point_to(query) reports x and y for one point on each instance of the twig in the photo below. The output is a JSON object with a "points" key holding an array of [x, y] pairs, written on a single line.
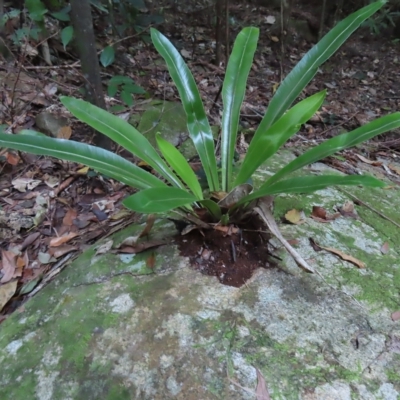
{"points": [[368, 206]]}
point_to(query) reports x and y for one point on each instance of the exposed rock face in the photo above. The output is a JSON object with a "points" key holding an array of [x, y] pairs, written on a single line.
{"points": [[110, 328]]}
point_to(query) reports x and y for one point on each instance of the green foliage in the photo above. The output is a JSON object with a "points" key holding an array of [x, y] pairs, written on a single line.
{"points": [[107, 56], [182, 189], [382, 20], [125, 86]]}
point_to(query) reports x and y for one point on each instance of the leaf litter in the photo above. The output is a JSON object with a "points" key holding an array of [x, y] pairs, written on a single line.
{"points": [[72, 211]]}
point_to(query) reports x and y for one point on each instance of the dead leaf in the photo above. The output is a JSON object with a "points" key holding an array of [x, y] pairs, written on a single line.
{"points": [[342, 255], [7, 292], [9, 265], [321, 215], [60, 251], [275, 39], [22, 184], [294, 217], [370, 162], [348, 210], [120, 214], [151, 261], [263, 209], [29, 240], [227, 229], [395, 316], [318, 212], [394, 168], [139, 247], [29, 286], [149, 224], [12, 158], [186, 54], [83, 171], [62, 239], [385, 248], [64, 132], [69, 217], [129, 241], [105, 247], [261, 390]]}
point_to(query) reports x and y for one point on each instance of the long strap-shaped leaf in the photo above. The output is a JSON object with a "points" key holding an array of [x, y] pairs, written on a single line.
{"points": [[233, 92], [99, 159], [159, 200], [306, 184], [305, 70], [197, 122], [274, 137], [176, 160], [338, 143], [122, 133]]}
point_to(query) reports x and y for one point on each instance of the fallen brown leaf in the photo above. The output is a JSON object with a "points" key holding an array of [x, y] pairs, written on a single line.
{"points": [[69, 217], [294, 217], [151, 261], [342, 255], [261, 390], [394, 168], [348, 210], [62, 239], [385, 248], [149, 224], [395, 316], [367, 161], [6, 292], [9, 265], [60, 251], [29, 240]]}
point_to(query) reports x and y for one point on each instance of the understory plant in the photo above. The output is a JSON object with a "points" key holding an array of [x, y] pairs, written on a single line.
{"points": [[174, 185]]}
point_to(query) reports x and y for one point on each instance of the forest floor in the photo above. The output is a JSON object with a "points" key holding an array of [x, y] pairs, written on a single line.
{"points": [[52, 210]]}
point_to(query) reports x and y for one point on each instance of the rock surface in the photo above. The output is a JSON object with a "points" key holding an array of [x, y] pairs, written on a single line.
{"points": [[108, 327]]}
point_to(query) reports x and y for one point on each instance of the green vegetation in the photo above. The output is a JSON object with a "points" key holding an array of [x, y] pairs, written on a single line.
{"points": [[229, 190]]}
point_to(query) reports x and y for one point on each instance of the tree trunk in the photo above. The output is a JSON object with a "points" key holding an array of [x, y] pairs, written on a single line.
{"points": [[81, 18]]}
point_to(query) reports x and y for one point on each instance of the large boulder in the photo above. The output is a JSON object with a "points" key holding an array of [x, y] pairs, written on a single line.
{"points": [[110, 327]]}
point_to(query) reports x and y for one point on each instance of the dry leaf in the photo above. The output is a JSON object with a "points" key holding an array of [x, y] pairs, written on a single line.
{"points": [[6, 292], [294, 217], [370, 162], [60, 251], [62, 239], [318, 212], [348, 210], [261, 390], [321, 215], [151, 261], [22, 184], [105, 247], [149, 224], [395, 316], [8, 258], [29, 240], [12, 158], [385, 248], [64, 132], [69, 217], [394, 168], [342, 255]]}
